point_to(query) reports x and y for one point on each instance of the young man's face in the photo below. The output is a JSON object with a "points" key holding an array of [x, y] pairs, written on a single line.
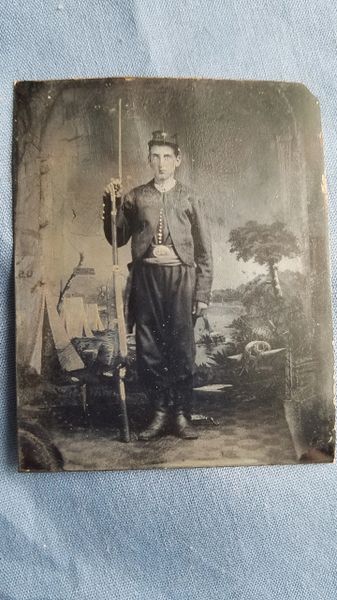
{"points": [[163, 162]]}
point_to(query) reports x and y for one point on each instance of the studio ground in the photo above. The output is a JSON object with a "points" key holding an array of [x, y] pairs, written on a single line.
{"points": [[235, 428]]}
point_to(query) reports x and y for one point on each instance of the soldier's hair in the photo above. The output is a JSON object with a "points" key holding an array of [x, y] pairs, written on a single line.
{"points": [[176, 148]]}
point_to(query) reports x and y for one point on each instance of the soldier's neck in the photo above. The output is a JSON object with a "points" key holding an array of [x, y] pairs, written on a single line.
{"points": [[166, 185]]}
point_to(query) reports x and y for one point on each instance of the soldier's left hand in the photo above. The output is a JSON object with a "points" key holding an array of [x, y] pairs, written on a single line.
{"points": [[199, 309]]}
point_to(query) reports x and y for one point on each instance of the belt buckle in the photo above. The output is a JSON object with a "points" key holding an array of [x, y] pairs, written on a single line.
{"points": [[161, 250]]}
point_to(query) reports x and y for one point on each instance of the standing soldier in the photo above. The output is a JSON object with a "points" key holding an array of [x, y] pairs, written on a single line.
{"points": [[171, 276]]}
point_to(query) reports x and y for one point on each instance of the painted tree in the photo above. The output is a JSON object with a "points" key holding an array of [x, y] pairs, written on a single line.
{"points": [[266, 245]]}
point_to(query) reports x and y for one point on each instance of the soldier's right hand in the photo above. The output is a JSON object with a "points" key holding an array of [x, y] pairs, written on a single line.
{"points": [[114, 186]]}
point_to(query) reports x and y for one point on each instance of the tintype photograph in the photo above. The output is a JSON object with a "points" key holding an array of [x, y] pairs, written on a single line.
{"points": [[172, 278]]}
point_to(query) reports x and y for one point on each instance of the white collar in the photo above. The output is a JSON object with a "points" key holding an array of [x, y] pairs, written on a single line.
{"points": [[166, 185]]}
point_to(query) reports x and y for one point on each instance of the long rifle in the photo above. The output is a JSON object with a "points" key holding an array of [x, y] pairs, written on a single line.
{"points": [[117, 284]]}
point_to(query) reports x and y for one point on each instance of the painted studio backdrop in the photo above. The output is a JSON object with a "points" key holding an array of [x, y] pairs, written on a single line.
{"points": [[253, 152]]}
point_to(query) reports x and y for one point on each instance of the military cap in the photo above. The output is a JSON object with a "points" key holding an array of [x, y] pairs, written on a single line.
{"points": [[162, 138]]}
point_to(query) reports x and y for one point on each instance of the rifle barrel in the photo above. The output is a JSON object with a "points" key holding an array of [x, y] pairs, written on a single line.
{"points": [[120, 139]]}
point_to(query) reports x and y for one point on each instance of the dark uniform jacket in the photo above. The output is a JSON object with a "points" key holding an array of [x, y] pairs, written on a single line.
{"points": [[138, 216]]}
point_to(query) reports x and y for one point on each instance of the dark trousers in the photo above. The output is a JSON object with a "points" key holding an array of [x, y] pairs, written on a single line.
{"points": [[165, 345]]}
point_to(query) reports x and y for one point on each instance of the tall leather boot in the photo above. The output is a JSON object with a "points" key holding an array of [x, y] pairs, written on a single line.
{"points": [[182, 399], [159, 422]]}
